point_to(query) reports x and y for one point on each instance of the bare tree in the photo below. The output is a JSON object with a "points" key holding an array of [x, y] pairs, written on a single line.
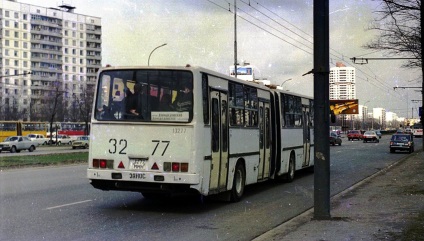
{"points": [[399, 25], [85, 103], [53, 104]]}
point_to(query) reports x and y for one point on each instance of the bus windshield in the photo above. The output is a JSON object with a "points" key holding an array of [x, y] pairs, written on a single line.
{"points": [[145, 95]]}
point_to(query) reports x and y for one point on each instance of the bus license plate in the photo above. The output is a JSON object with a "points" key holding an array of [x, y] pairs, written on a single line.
{"points": [[138, 164]]}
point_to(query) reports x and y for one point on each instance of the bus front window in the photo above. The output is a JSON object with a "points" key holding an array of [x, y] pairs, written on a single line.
{"points": [[145, 96]]}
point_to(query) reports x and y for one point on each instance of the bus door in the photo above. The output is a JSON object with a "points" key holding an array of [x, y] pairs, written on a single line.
{"points": [[306, 135], [219, 129], [264, 140]]}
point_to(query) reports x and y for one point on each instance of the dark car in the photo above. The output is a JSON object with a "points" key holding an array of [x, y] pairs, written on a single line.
{"points": [[335, 139], [354, 134], [378, 132], [402, 142]]}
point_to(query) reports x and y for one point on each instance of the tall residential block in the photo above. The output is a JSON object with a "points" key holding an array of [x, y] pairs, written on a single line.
{"points": [[342, 82], [43, 48]]}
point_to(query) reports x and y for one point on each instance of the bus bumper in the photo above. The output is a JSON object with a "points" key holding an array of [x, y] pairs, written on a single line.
{"points": [[141, 181]]}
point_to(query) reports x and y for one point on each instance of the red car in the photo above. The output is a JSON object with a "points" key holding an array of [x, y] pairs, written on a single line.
{"points": [[355, 134]]}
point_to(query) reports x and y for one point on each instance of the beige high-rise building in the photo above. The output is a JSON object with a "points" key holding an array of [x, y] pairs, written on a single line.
{"points": [[58, 47], [342, 82]]}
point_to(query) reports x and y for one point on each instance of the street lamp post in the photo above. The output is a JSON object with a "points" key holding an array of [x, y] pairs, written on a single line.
{"points": [[284, 82], [148, 61]]}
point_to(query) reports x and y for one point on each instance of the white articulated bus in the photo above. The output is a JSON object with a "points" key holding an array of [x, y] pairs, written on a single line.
{"points": [[158, 130]]}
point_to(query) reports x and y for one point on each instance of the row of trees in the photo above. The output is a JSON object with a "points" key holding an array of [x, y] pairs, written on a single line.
{"points": [[54, 104]]}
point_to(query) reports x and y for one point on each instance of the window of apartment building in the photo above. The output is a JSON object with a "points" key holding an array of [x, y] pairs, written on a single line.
{"points": [[74, 60], [66, 68], [74, 34], [25, 64], [66, 77], [7, 13], [74, 43], [6, 62], [66, 59], [66, 50], [82, 52], [74, 51], [25, 35], [16, 44], [6, 33], [16, 34], [81, 70], [16, 53], [25, 26], [81, 44], [66, 32], [74, 25], [16, 24], [66, 42], [74, 69], [81, 35], [16, 63], [25, 17], [16, 82], [81, 26], [25, 45], [6, 23], [16, 15]]}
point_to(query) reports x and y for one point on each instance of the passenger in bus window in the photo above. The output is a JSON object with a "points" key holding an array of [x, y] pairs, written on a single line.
{"points": [[137, 102], [166, 103], [184, 99]]}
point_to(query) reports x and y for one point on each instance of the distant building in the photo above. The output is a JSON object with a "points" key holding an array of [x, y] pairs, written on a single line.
{"points": [[55, 45], [379, 116], [342, 82]]}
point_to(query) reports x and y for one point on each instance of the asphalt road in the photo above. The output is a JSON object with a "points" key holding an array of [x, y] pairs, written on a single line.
{"points": [[59, 203]]}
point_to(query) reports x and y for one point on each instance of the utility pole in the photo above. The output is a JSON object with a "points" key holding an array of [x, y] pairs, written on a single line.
{"points": [[322, 110], [422, 67]]}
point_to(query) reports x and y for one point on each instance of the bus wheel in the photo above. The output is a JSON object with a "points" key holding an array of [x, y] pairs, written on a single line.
{"points": [[290, 172], [239, 182]]}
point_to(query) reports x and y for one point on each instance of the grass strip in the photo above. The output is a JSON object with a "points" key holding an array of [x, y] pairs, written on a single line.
{"points": [[42, 160]]}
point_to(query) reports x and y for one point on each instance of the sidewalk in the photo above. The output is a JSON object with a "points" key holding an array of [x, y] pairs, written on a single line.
{"points": [[386, 206]]}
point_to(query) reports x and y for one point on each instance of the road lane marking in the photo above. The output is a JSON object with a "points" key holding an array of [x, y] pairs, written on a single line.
{"points": [[69, 204]]}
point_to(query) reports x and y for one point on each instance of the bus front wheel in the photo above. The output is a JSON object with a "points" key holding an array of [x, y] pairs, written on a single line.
{"points": [[239, 182]]}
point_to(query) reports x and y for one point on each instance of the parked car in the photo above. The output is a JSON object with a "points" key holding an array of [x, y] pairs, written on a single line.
{"points": [[354, 134], [17, 144], [402, 142], [408, 131], [370, 136], [81, 142], [335, 139], [60, 140], [39, 139]]}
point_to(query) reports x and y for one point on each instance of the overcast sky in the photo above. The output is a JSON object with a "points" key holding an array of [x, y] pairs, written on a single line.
{"points": [[274, 35]]}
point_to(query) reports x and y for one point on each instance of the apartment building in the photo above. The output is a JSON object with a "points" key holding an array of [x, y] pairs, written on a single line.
{"points": [[342, 82], [43, 49]]}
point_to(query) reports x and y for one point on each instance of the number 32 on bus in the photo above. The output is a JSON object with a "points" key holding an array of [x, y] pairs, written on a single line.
{"points": [[192, 129]]}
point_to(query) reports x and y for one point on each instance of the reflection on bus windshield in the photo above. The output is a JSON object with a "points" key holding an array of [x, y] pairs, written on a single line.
{"points": [[145, 95]]}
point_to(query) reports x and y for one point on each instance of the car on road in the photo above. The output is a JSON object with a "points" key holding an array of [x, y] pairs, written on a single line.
{"points": [[17, 144], [61, 140], [408, 131], [39, 139], [370, 136], [335, 139], [402, 142], [354, 134], [81, 142]]}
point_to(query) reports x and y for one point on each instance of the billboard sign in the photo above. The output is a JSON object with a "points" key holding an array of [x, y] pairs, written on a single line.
{"points": [[338, 107]]}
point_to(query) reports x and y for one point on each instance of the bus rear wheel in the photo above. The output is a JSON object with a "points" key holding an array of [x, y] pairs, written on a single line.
{"points": [[239, 182]]}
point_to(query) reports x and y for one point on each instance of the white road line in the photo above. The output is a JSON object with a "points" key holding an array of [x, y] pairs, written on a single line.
{"points": [[69, 204]]}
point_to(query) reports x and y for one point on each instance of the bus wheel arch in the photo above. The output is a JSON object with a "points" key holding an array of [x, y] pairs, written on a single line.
{"points": [[239, 181]]}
